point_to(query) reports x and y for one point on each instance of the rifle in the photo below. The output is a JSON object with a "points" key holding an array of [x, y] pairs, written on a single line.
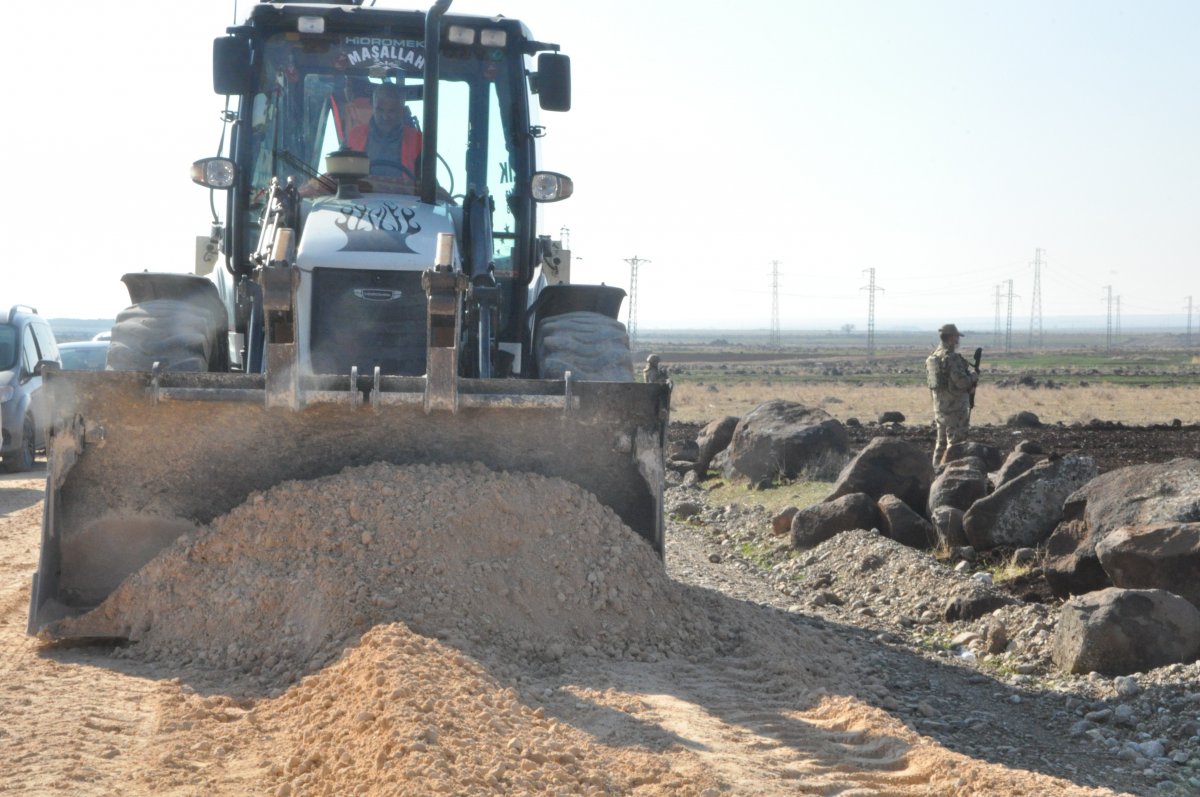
{"points": [[975, 365]]}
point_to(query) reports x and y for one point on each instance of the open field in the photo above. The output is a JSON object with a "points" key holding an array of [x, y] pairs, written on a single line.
{"points": [[1139, 383]]}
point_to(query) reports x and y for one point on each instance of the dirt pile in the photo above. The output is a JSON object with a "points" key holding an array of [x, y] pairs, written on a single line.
{"points": [[516, 562]]}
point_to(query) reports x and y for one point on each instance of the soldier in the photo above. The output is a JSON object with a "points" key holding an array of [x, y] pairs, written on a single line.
{"points": [[653, 372], [951, 382]]}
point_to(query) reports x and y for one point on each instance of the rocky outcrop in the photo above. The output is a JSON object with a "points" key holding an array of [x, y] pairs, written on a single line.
{"points": [[782, 439], [1138, 495], [992, 457], [1119, 631], [899, 522], [1024, 420], [712, 440], [1025, 511], [961, 484], [1017, 463], [1162, 556], [948, 526], [815, 524], [888, 466]]}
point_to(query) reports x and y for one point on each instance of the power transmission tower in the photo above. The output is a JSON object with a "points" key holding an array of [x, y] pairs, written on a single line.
{"points": [[870, 288], [996, 333], [631, 325], [1008, 326], [1108, 329], [564, 236], [774, 304], [1035, 315], [1188, 342], [1117, 325]]}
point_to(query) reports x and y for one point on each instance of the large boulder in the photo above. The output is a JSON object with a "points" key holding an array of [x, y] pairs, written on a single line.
{"points": [[1161, 556], [712, 440], [948, 526], [1017, 463], [899, 522], [1025, 511], [815, 524], [1138, 495], [782, 439], [992, 457], [1120, 631], [962, 483], [887, 466]]}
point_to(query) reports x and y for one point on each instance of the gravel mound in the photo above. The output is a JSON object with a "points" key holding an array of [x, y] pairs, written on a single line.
{"points": [[501, 561]]}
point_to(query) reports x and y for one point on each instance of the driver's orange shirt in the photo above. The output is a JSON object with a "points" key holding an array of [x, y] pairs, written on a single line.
{"points": [[410, 144]]}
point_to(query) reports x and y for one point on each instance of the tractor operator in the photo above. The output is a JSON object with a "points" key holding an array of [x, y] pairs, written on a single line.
{"points": [[391, 141], [951, 382]]}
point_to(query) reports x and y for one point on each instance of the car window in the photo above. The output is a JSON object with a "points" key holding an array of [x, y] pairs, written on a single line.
{"points": [[46, 344], [29, 352], [8, 347]]}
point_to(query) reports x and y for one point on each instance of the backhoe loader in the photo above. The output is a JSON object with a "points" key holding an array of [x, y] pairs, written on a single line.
{"points": [[376, 290]]}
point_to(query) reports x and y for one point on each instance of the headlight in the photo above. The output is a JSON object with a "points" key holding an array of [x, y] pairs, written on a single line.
{"points": [[6, 393], [214, 172], [551, 186]]}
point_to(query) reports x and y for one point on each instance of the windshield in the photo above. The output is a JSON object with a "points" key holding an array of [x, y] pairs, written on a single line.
{"points": [[8, 347], [326, 92]]}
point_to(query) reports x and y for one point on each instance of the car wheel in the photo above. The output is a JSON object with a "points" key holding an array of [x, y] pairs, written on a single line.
{"points": [[592, 346], [22, 459], [166, 331]]}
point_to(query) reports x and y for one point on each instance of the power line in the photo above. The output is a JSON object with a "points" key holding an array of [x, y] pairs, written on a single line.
{"points": [[631, 326], [1008, 327], [871, 287], [1108, 333], [1118, 324]]}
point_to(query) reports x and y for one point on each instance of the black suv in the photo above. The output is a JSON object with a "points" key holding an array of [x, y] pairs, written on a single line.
{"points": [[26, 344]]}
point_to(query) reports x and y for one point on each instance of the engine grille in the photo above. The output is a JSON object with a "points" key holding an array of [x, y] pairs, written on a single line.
{"points": [[368, 319]]}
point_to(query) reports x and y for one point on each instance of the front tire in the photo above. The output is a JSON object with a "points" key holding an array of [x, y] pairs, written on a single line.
{"points": [[167, 331], [592, 346], [22, 459]]}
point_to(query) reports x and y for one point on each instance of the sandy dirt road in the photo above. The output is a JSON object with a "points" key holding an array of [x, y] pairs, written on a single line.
{"points": [[764, 706]]}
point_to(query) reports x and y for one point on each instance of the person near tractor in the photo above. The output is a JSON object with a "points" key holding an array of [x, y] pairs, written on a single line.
{"points": [[952, 383], [390, 139]]}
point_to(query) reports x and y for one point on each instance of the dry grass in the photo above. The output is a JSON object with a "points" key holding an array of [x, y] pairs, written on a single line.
{"points": [[1125, 403]]}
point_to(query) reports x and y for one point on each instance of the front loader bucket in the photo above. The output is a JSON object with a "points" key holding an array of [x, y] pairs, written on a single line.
{"points": [[137, 459]]}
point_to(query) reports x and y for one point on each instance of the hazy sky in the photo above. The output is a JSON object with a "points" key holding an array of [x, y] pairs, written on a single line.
{"points": [[940, 143]]}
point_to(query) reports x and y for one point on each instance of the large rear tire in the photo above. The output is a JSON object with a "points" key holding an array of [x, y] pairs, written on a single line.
{"points": [[173, 333], [22, 459], [592, 346]]}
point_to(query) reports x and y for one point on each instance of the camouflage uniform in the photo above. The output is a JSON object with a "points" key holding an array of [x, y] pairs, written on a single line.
{"points": [[653, 372], [951, 381]]}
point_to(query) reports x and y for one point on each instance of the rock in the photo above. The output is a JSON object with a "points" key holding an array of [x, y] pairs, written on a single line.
{"points": [[782, 439], [1025, 511], [960, 484], [1138, 495], [888, 466], [686, 450], [991, 456], [782, 523], [891, 416], [1024, 420], [712, 440], [1029, 447], [813, 525], [686, 509], [1023, 557], [1118, 631], [1159, 556], [973, 605], [899, 522], [995, 637], [947, 525], [1017, 463]]}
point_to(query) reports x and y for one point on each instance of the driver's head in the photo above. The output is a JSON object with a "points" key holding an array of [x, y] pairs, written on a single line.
{"points": [[388, 107]]}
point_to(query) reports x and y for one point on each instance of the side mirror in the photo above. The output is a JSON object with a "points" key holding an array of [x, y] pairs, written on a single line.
{"points": [[42, 367], [554, 81], [232, 70]]}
